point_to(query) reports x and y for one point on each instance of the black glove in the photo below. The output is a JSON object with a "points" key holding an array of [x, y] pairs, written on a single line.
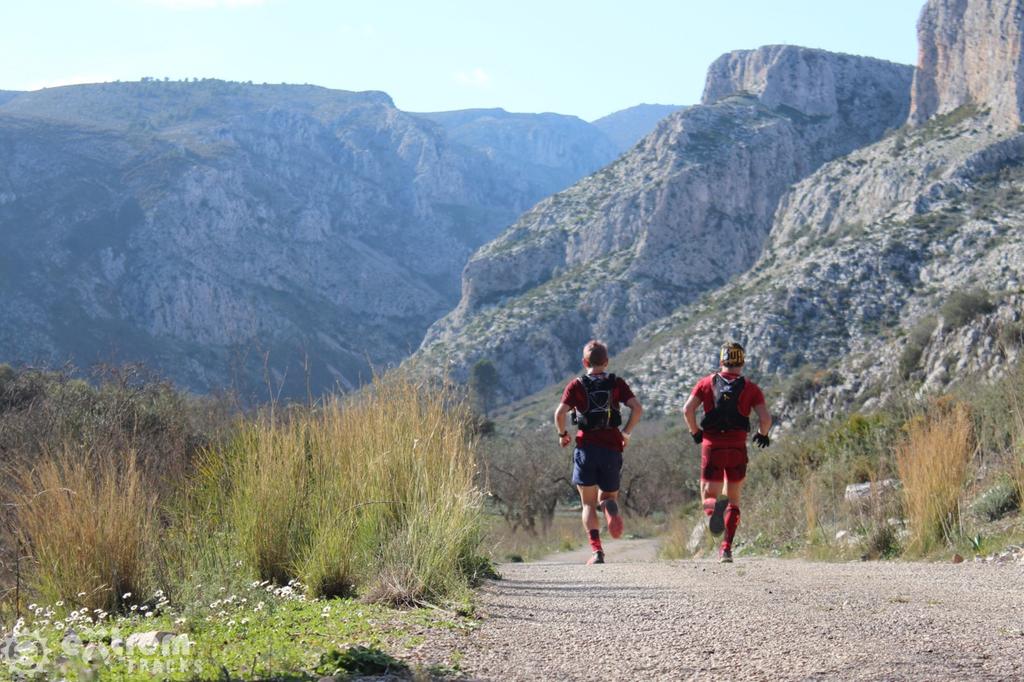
{"points": [[698, 437], [762, 441]]}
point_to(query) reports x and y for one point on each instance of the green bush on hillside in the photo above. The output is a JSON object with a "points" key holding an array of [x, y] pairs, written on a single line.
{"points": [[963, 306], [917, 341]]}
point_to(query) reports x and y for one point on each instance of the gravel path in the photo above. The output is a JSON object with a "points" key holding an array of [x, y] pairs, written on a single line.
{"points": [[760, 619]]}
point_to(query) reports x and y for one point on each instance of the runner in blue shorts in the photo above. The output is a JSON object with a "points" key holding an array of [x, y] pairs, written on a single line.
{"points": [[595, 399]]}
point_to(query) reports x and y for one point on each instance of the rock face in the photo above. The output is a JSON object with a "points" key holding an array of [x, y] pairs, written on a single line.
{"points": [[895, 269], [869, 285], [628, 126], [220, 230], [811, 82], [683, 212], [970, 54]]}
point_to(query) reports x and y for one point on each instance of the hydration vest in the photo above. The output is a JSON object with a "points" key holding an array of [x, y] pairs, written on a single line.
{"points": [[601, 411], [725, 416]]}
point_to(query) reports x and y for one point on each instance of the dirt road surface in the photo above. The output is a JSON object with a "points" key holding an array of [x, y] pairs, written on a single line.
{"points": [[636, 618]]}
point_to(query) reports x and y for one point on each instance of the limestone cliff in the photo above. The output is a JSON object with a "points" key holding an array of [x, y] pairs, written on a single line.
{"points": [[970, 54], [683, 212]]}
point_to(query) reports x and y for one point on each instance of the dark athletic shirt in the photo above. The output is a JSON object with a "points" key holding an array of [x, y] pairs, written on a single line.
{"points": [[750, 398], [575, 396]]}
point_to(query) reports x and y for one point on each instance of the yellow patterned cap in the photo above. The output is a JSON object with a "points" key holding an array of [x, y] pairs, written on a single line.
{"points": [[732, 355]]}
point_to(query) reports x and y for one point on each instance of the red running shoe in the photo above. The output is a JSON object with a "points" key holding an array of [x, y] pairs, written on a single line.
{"points": [[613, 518], [725, 554], [596, 558]]}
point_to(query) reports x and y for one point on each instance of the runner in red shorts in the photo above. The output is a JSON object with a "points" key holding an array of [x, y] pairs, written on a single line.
{"points": [[727, 398]]}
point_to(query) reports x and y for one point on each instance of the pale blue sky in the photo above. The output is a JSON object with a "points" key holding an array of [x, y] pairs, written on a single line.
{"points": [[587, 58]]}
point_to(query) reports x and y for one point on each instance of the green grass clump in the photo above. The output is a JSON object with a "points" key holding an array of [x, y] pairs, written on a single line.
{"points": [[372, 495], [360, 660], [999, 500]]}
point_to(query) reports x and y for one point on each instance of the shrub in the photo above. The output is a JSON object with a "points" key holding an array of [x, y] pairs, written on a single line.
{"points": [[360, 660], [374, 493], [123, 410], [917, 341], [660, 473], [999, 500], [882, 541], [963, 306], [932, 463], [1011, 335], [526, 478]]}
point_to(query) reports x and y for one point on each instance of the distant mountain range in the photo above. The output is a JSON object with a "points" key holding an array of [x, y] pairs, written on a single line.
{"points": [[242, 235]]}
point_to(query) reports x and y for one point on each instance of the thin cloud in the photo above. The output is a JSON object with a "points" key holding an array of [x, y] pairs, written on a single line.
{"points": [[474, 78]]}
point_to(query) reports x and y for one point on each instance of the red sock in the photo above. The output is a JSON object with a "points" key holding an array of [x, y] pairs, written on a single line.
{"points": [[595, 540], [732, 521], [709, 505]]}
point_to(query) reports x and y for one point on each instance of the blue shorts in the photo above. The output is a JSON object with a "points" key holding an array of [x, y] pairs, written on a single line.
{"points": [[593, 465]]}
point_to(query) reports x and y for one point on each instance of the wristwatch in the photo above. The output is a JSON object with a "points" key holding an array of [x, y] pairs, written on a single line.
{"points": [[563, 434]]}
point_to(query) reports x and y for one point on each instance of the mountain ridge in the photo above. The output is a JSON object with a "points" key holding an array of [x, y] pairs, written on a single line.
{"points": [[229, 234], [628, 126]]}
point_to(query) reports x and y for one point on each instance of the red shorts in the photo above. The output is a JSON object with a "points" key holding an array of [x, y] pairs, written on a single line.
{"points": [[723, 462]]}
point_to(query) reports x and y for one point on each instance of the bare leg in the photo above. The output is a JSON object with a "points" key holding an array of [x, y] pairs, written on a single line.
{"points": [[710, 490], [734, 490], [588, 498]]}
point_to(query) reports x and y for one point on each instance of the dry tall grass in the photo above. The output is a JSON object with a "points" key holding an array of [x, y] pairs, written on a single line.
{"points": [[932, 463], [375, 492], [89, 524]]}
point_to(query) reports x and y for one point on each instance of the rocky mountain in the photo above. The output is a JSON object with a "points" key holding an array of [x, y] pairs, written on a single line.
{"points": [[539, 153], [897, 268], [626, 127], [680, 215], [222, 232]]}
